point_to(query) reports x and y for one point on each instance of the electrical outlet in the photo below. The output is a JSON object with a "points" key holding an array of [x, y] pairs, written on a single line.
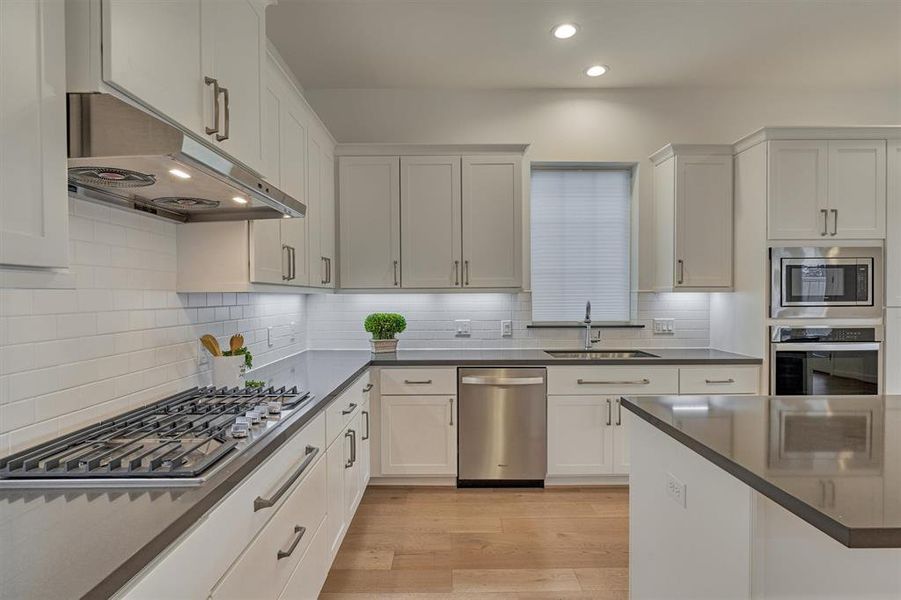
{"points": [[676, 490], [464, 327], [662, 326], [269, 340], [506, 328], [293, 331]]}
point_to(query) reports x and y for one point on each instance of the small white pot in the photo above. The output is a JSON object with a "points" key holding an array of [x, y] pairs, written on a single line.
{"points": [[383, 346], [228, 371]]}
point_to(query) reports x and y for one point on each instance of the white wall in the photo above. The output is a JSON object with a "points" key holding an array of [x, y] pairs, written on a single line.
{"points": [[122, 337], [592, 125], [336, 322]]}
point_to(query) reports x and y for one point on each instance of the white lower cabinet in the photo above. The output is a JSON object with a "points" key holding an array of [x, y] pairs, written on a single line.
{"points": [[580, 438], [419, 435], [308, 578], [893, 351], [336, 523]]}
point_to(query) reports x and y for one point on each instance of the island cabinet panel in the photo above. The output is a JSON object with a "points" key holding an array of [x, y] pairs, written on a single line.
{"points": [[893, 351], [893, 231]]}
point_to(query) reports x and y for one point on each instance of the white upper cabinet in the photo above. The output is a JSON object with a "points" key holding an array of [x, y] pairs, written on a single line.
{"points": [[167, 77], [33, 201], [321, 212], [826, 189], [431, 221], [234, 37], [797, 192], [204, 74], [368, 221], [492, 221], [857, 188], [693, 213], [893, 231], [327, 217]]}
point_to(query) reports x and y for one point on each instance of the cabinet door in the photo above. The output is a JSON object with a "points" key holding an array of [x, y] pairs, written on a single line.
{"points": [[167, 77], [337, 457], [293, 169], [369, 221], [269, 259], [703, 238], [352, 477], [309, 577], [893, 351], [233, 34], [431, 221], [314, 209], [893, 231], [796, 190], [492, 221], [327, 217], [34, 205], [418, 435], [365, 447], [857, 188], [580, 438], [621, 427]]}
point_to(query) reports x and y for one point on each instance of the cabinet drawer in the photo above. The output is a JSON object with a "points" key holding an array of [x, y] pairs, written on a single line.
{"points": [[339, 413], [266, 566], [224, 533], [310, 575], [419, 381], [591, 380], [719, 380]]}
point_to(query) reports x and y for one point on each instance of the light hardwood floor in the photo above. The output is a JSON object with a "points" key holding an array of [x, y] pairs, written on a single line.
{"points": [[450, 544]]}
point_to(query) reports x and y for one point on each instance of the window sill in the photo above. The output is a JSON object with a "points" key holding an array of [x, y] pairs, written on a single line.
{"points": [[577, 325]]}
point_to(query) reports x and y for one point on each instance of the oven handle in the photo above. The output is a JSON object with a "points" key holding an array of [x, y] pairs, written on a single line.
{"points": [[831, 347]]}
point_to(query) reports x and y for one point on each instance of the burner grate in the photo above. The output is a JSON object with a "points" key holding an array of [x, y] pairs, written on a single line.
{"points": [[178, 437]]}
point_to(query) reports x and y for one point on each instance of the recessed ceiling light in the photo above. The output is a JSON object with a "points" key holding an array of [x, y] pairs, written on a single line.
{"points": [[564, 31], [596, 70], [286, 216], [179, 173], [239, 200]]}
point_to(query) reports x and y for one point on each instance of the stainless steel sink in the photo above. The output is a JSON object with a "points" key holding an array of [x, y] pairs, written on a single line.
{"points": [[599, 354]]}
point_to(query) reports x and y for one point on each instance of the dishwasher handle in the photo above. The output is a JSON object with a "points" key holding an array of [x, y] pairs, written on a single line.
{"points": [[482, 380]]}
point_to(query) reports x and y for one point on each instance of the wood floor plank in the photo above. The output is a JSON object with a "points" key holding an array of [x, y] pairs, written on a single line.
{"points": [[593, 595], [487, 509], [608, 579], [363, 558], [515, 580], [587, 525], [426, 524], [374, 582]]}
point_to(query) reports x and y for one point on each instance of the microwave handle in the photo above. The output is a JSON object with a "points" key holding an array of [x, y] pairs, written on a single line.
{"points": [[826, 347]]}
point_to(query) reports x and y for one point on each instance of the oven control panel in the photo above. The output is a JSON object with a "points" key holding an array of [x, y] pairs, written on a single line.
{"points": [[825, 334]]}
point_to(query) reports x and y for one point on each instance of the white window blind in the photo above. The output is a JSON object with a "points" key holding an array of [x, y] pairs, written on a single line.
{"points": [[581, 227]]}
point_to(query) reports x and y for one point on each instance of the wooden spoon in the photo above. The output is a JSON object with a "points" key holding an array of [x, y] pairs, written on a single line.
{"points": [[210, 343], [236, 342]]}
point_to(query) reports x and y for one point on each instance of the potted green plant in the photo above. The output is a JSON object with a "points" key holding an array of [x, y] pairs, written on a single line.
{"points": [[383, 327]]}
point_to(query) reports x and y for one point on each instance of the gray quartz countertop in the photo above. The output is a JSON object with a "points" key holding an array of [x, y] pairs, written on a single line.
{"points": [[668, 356], [71, 543], [784, 446]]}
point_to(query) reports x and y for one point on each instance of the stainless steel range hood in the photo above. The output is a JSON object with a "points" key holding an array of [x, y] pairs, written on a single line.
{"points": [[121, 154]]}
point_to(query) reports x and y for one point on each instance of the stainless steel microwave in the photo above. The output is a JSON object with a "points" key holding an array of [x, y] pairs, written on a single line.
{"points": [[835, 282]]}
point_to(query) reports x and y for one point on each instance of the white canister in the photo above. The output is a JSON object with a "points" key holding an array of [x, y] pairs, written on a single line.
{"points": [[228, 371]]}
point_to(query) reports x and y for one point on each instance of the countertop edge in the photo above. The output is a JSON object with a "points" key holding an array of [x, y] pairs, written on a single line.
{"points": [[847, 536]]}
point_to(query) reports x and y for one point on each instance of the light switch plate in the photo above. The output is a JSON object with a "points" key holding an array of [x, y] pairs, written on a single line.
{"points": [[463, 327], [676, 490], [506, 328], [664, 326]]}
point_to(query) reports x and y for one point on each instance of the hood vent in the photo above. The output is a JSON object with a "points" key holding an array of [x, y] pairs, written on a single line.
{"points": [[121, 154]]}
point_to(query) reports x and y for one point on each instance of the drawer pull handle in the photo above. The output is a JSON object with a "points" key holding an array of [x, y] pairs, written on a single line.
{"points": [[713, 381], [417, 382], [591, 382], [367, 388], [260, 503], [298, 531], [350, 408]]}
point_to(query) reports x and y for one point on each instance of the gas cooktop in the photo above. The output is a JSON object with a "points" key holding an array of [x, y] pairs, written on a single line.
{"points": [[177, 441]]}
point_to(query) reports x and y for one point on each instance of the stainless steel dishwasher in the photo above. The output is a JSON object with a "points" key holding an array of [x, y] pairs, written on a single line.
{"points": [[502, 431]]}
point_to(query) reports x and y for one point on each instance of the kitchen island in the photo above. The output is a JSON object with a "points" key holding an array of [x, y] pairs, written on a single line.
{"points": [[765, 497]]}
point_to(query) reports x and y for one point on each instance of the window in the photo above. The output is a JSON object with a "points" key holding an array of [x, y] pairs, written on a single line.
{"points": [[581, 229]]}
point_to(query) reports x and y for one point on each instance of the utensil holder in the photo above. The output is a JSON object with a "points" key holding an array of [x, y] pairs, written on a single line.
{"points": [[228, 371]]}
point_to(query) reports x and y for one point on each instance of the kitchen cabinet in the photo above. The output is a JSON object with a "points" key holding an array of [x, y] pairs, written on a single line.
{"points": [[893, 230], [492, 221], [580, 435], [365, 449], [310, 575], [622, 425], [369, 221], [693, 218], [321, 210], [418, 435], [206, 77], [893, 351], [826, 189], [34, 206], [431, 221], [327, 218]]}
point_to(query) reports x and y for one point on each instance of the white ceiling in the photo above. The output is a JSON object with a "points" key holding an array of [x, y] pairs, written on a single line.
{"points": [[506, 44]]}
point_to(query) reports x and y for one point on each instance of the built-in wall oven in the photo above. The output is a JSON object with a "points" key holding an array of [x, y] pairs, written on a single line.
{"points": [[826, 282], [817, 360]]}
